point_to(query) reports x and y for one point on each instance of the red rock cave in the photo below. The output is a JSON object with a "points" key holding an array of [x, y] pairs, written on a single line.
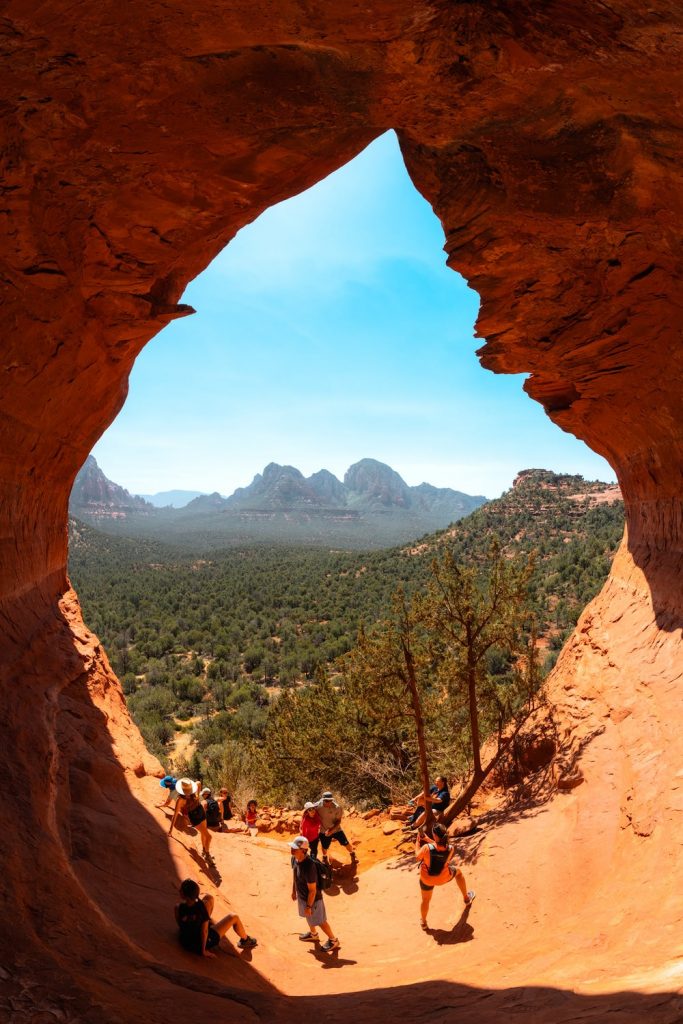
{"points": [[547, 138]]}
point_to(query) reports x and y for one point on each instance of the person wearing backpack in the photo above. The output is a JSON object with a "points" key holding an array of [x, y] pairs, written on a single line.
{"points": [[437, 868], [307, 891], [212, 809]]}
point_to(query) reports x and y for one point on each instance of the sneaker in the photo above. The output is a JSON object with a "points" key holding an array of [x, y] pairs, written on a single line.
{"points": [[309, 937], [331, 944], [247, 943], [470, 898]]}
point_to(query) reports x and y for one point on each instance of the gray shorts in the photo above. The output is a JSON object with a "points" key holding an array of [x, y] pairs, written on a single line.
{"points": [[318, 916]]}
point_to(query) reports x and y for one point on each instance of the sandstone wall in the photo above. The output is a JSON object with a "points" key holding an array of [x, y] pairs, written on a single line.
{"points": [[137, 141]]}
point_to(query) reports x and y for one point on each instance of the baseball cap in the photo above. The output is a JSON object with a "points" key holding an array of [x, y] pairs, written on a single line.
{"points": [[308, 806], [300, 843]]}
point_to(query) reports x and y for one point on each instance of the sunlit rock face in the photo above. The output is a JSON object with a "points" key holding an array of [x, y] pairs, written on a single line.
{"points": [[136, 143]]}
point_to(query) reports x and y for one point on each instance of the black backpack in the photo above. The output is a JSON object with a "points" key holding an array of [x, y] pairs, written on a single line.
{"points": [[324, 874], [213, 812], [437, 859]]}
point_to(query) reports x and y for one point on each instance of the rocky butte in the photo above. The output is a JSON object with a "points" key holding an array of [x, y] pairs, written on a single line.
{"points": [[136, 143]]}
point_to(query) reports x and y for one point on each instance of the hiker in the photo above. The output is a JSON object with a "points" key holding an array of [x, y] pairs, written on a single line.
{"points": [[310, 827], [190, 805], [225, 800], [439, 797], [330, 826], [308, 894], [169, 783], [212, 810], [251, 814], [437, 868], [196, 931]]}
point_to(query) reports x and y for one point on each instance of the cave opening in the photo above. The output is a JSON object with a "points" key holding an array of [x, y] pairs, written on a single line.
{"points": [[550, 169], [447, 933]]}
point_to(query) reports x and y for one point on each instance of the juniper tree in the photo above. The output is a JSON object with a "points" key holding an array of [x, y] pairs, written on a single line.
{"points": [[388, 677], [480, 621]]}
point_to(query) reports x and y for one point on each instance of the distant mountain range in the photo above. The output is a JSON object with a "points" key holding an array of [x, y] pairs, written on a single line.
{"points": [[172, 499], [372, 507]]}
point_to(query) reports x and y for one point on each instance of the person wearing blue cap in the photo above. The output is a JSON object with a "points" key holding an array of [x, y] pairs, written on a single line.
{"points": [[169, 782]]}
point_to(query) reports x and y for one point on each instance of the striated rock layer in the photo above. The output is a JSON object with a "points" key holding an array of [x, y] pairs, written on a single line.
{"points": [[136, 143]]}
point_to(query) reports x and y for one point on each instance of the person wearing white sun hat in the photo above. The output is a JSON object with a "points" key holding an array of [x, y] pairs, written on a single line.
{"points": [[310, 826], [188, 803]]}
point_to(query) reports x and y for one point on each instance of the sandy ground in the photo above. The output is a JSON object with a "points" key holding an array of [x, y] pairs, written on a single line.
{"points": [[524, 928]]}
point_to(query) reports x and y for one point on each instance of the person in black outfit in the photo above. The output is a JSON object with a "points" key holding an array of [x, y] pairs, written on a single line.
{"points": [[189, 804], [225, 800], [196, 932], [437, 867]]}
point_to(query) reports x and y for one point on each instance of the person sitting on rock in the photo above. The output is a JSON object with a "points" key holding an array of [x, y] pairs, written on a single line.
{"points": [[309, 897], [310, 827], [225, 800], [196, 931], [439, 797], [437, 868], [212, 810], [251, 815], [190, 805], [330, 826]]}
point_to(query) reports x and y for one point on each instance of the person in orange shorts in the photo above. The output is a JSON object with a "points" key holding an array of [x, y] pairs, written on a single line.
{"points": [[437, 868]]}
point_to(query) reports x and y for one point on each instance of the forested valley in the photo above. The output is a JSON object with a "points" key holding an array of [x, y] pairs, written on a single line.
{"points": [[230, 660]]}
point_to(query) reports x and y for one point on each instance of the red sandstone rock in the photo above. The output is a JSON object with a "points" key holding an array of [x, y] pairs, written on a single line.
{"points": [[136, 143]]}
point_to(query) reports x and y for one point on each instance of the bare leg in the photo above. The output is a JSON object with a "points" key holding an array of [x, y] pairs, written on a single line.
{"points": [[328, 931], [205, 836], [424, 906], [231, 921], [462, 884]]}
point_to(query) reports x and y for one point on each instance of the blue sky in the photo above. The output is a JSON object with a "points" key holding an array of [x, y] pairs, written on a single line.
{"points": [[328, 331]]}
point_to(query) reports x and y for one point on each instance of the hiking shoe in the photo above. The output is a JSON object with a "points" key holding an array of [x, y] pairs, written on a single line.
{"points": [[424, 926], [470, 898], [331, 944], [247, 943], [309, 937]]}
